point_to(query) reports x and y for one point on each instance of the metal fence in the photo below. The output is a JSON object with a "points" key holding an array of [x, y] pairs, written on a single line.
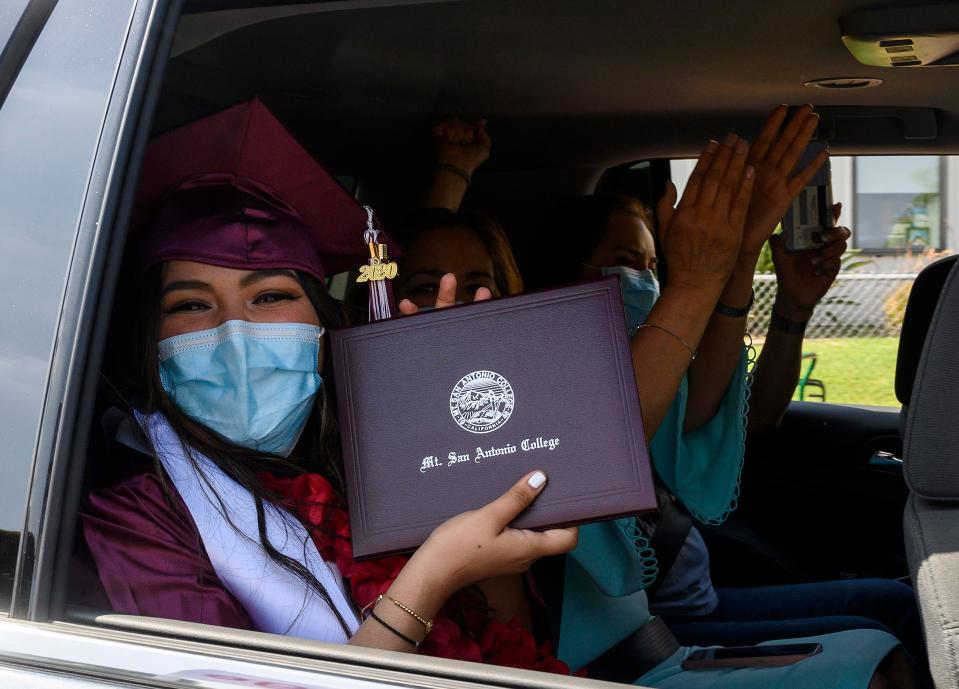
{"points": [[857, 305], [849, 353]]}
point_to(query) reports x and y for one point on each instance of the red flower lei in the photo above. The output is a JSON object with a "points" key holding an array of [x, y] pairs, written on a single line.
{"points": [[311, 498]]}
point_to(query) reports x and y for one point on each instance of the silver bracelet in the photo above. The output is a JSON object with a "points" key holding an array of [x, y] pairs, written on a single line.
{"points": [[692, 352]]}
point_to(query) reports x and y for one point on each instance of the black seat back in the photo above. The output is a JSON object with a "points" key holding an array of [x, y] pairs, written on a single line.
{"points": [[915, 324]]}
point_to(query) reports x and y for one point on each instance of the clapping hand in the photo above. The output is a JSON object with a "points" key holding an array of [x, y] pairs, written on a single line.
{"points": [[774, 155], [701, 237]]}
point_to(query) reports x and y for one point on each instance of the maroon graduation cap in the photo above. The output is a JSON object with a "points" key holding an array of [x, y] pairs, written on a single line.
{"points": [[236, 189]]}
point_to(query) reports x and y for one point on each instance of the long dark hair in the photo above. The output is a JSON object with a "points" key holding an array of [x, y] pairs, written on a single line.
{"points": [[319, 449], [491, 234]]}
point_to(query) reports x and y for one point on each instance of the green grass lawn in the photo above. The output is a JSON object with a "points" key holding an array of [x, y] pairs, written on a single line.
{"points": [[856, 370]]}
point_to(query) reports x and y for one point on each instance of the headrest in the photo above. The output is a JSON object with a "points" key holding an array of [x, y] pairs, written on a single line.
{"points": [[931, 438], [915, 324]]}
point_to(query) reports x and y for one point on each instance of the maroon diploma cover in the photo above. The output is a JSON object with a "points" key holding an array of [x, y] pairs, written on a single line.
{"points": [[443, 411]]}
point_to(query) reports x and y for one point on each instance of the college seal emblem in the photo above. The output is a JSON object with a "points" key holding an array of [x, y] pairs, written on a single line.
{"points": [[481, 401]]}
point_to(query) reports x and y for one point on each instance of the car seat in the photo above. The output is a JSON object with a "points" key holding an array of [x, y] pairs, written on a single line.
{"points": [[927, 384]]}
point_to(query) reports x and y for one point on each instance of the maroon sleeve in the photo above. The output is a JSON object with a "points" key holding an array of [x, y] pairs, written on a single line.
{"points": [[151, 560]]}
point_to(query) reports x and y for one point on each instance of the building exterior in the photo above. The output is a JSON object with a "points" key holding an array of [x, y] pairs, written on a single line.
{"points": [[900, 208]]}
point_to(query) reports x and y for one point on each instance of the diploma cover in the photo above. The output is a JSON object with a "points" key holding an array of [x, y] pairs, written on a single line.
{"points": [[441, 412]]}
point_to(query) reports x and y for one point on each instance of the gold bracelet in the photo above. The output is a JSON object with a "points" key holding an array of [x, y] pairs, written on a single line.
{"points": [[692, 352], [427, 624]]}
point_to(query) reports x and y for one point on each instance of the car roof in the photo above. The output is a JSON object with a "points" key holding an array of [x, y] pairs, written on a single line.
{"points": [[564, 82]]}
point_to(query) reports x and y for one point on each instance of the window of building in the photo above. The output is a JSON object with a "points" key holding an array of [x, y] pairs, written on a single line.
{"points": [[898, 202]]}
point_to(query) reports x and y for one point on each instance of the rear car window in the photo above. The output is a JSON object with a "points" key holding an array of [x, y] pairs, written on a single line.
{"points": [[895, 207]]}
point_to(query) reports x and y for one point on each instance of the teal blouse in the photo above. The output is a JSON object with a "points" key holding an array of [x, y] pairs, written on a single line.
{"points": [[604, 600], [603, 596], [702, 467]]}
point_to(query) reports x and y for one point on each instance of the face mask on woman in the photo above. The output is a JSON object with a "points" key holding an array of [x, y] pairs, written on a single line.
{"points": [[640, 290], [253, 383]]}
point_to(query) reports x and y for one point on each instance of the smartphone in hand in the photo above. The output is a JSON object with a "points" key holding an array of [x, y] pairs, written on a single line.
{"points": [[811, 212], [771, 655]]}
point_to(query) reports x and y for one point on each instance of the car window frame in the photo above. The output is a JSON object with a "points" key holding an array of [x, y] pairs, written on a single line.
{"points": [[54, 495], [93, 651]]}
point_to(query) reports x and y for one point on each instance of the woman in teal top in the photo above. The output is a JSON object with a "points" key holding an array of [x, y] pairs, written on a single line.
{"points": [[698, 446], [604, 578]]}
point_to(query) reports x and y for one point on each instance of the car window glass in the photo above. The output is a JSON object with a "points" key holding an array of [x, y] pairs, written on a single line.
{"points": [[10, 11], [894, 207], [49, 128]]}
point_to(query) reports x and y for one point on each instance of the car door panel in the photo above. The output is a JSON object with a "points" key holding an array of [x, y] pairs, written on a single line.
{"points": [[813, 489]]}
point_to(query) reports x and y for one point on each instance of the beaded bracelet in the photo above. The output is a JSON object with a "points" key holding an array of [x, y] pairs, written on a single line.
{"points": [[427, 624]]}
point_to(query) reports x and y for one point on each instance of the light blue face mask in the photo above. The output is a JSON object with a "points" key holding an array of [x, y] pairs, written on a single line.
{"points": [[640, 290], [253, 383]]}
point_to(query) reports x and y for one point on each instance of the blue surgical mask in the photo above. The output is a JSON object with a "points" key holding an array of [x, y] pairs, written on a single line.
{"points": [[640, 290], [253, 383]]}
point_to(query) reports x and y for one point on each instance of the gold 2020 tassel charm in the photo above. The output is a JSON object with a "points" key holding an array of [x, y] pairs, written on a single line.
{"points": [[377, 271], [379, 267]]}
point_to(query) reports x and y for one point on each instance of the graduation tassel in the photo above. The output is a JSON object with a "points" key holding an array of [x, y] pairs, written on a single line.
{"points": [[378, 270]]}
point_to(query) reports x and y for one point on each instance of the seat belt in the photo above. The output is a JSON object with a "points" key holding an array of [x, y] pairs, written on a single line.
{"points": [[667, 540], [109, 391], [119, 416], [652, 643], [635, 655]]}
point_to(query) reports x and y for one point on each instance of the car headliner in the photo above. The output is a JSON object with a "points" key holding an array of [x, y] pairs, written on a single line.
{"points": [[565, 83]]}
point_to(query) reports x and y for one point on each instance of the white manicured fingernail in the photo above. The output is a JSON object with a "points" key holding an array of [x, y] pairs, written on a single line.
{"points": [[537, 479]]}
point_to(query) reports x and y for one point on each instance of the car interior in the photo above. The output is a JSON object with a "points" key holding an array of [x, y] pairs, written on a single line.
{"points": [[600, 96]]}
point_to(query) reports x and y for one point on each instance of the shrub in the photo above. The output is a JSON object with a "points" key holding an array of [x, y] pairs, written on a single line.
{"points": [[894, 307]]}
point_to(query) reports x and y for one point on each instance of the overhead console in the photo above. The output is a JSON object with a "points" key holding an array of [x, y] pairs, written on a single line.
{"points": [[851, 125], [914, 36]]}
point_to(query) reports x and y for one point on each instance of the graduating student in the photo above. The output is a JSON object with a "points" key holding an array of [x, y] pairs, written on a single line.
{"points": [[232, 509]]}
